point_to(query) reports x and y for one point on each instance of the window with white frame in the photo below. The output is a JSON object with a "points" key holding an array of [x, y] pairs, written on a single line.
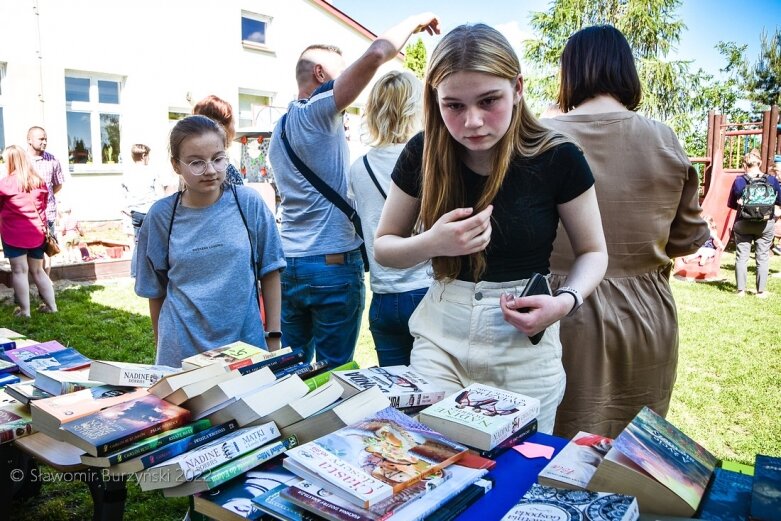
{"points": [[252, 106], [92, 111], [255, 30]]}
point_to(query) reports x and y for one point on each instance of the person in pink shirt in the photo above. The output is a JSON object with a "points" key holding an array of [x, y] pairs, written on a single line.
{"points": [[23, 200]]}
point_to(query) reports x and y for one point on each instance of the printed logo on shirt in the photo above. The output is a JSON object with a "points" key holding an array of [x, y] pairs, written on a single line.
{"points": [[210, 247]]}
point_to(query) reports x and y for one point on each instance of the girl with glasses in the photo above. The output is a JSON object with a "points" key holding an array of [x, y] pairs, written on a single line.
{"points": [[201, 252]]}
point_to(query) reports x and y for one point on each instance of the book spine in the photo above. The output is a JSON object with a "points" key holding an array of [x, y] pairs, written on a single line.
{"points": [[323, 378], [8, 379], [399, 401], [151, 430], [457, 505], [514, 439], [180, 447], [316, 504], [250, 360], [138, 377], [149, 445], [72, 387], [248, 461], [525, 417], [16, 429], [299, 369], [314, 369], [276, 363]]}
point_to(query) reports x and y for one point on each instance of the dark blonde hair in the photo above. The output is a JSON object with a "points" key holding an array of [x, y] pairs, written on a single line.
{"points": [[752, 158], [394, 109], [19, 165], [220, 111], [474, 48], [138, 151]]}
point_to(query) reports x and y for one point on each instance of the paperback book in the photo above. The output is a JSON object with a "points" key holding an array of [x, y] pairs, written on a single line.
{"points": [[542, 502], [511, 441], [127, 374], [653, 460], [8, 379], [15, 422], [576, 463], [8, 367], [173, 382], [375, 458], [259, 403], [306, 406], [766, 489], [193, 463], [314, 382], [57, 382], [226, 391], [231, 469], [404, 387], [457, 505], [481, 416], [233, 501], [25, 392], [728, 497], [281, 361], [197, 388], [46, 355], [234, 355], [120, 425], [273, 504]]}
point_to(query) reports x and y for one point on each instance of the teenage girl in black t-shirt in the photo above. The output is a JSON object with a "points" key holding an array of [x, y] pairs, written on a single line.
{"points": [[486, 185]]}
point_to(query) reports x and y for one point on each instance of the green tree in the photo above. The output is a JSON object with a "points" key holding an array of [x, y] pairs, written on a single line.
{"points": [[415, 58], [764, 80]]}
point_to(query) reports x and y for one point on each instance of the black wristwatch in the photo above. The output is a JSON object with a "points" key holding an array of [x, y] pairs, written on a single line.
{"points": [[272, 334]]}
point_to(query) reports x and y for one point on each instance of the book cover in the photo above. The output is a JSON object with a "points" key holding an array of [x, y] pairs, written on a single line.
{"points": [[57, 410], [25, 392], [236, 496], [728, 498], [57, 381], [8, 379], [378, 456], [15, 422], [653, 460], [278, 507], [193, 463], [514, 439], [120, 425], [576, 463], [320, 501], [128, 374], [46, 355], [7, 366], [234, 355], [481, 416], [766, 489], [461, 502], [542, 502], [6, 344], [231, 469], [303, 370], [285, 358], [316, 381], [404, 387], [146, 445]]}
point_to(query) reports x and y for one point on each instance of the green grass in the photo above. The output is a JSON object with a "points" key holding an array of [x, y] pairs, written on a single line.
{"points": [[726, 397]]}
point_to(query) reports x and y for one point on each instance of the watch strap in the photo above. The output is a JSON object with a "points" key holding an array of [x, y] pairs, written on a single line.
{"points": [[575, 294]]}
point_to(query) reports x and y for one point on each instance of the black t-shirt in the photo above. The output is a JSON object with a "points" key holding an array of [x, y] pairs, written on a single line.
{"points": [[525, 216]]}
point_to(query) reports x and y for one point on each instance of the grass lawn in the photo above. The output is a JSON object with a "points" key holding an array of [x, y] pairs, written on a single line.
{"points": [[727, 395]]}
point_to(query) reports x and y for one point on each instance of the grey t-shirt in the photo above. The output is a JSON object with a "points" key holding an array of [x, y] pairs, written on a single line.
{"points": [[311, 225], [209, 292]]}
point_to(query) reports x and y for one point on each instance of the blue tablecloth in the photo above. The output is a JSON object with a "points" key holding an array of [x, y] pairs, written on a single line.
{"points": [[513, 475]]}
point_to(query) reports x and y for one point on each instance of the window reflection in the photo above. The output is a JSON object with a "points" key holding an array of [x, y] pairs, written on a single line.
{"points": [[76, 89], [109, 137], [253, 30], [79, 137], [108, 91]]}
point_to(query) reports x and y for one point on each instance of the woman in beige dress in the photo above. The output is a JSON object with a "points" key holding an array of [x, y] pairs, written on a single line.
{"points": [[621, 351]]}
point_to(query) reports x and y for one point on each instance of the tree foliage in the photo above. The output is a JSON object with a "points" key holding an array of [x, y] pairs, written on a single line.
{"points": [[764, 80], [415, 58]]}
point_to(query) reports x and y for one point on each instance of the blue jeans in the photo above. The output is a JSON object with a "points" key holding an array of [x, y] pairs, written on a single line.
{"points": [[389, 324], [323, 297]]}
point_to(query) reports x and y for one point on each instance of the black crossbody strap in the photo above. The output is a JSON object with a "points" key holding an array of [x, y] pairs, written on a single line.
{"points": [[374, 178], [251, 246], [320, 185]]}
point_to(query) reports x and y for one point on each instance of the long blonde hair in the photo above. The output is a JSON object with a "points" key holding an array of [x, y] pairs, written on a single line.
{"points": [[394, 109], [19, 165], [474, 48]]}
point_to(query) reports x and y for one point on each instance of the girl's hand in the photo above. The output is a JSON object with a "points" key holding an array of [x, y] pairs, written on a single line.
{"points": [[540, 311], [458, 232]]}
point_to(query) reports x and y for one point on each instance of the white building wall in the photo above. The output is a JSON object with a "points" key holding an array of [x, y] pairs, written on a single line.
{"points": [[168, 53]]}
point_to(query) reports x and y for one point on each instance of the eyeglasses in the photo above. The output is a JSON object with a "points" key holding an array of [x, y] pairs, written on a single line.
{"points": [[199, 166]]}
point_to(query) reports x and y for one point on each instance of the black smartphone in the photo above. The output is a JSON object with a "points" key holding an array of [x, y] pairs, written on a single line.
{"points": [[537, 285]]}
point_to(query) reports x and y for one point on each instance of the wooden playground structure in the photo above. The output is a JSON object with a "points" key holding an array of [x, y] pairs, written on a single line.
{"points": [[726, 144]]}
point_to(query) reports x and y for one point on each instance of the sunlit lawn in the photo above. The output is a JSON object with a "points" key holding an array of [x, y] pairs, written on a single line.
{"points": [[727, 395]]}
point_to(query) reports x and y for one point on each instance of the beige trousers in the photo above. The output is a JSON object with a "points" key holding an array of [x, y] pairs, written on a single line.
{"points": [[462, 338]]}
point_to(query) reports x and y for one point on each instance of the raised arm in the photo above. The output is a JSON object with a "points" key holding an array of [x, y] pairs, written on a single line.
{"points": [[357, 76]]}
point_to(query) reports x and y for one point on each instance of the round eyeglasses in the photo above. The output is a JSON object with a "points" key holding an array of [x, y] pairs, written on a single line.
{"points": [[199, 166]]}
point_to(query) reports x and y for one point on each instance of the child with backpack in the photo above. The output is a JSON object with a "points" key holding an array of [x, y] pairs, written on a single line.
{"points": [[756, 196]]}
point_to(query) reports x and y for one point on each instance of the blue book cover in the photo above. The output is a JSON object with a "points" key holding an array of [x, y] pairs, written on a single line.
{"points": [[7, 367], [278, 507], [728, 498], [766, 491], [8, 379]]}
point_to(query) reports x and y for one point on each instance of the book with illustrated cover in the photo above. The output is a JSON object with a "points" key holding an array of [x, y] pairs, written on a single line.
{"points": [[481, 416], [146, 445], [654, 461], [728, 497], [120, 425], [46, 355], [542, 502], [403, 386], [273, 504], [576, 463], [193, 463], [15, 422], [374, 458], [233, 501], [168, 450], [314, 382], [766, 489], [57, 382], [50, 414], [231, 469], [234, 355], [127, 374], [26, 392], [514, 439]]}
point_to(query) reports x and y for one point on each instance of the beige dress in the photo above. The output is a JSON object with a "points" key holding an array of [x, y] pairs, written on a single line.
{"points": [[620, 351]]}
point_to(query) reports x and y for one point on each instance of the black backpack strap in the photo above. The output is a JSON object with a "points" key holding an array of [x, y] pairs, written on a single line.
{"points": [[371, 174]]}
